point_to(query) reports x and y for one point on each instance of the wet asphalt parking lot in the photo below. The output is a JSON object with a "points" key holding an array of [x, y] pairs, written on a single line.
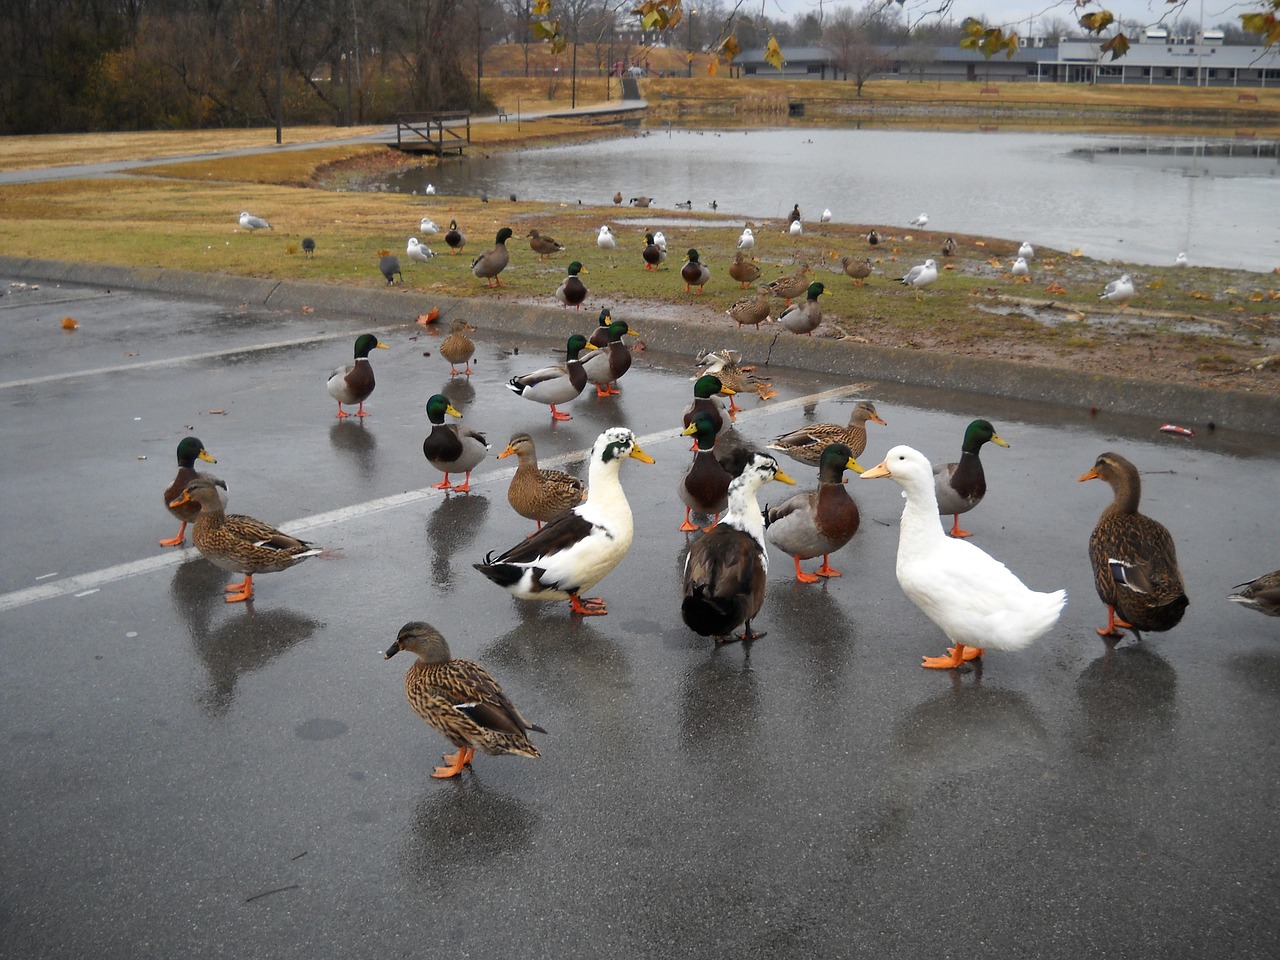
{"points": [[185, 777]]}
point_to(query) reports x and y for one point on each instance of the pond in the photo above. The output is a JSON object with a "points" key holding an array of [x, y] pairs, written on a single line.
{"points": [[1113, 196]]}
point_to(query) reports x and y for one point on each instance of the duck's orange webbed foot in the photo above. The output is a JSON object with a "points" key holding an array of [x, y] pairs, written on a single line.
{"points": [[956, 531], [1111, 631], [801, 575], [240, 592], [559, 414], [827, 570], [590, 607], [179, 539], [443, 484], [457, 762], [955, 657], [688, 526]]}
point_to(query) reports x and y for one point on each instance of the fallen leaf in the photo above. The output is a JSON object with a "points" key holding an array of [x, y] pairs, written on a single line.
{"points": [[219, 411], [306, 309], [69, 323]]}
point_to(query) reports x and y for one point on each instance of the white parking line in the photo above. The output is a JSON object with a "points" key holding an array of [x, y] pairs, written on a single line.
{"points": [[86, 584]]}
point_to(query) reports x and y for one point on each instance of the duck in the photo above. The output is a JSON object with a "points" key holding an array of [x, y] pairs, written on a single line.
{"points": [[873, 238], [726, 570], [806, 444], [949, 247], [617, 198], [353, 383], [1026, 251], [727, 365], [804, 317], [792, 285], [973, 597], [752, 311], [694, 271], [556, 384], [489, 264], [746, 240], [1135, 562], [251, 223], [190, 449], [238, 543], [921, 221], [684, 204], [537, 494], [543, 246], [705, 485], [454, 238], [651, 254], [641, 201], [605, 239], [1118, 291], [418, 251], [794, 216], [1020, 268], [961, 485], [920, 276], [577, 549], [461, 700], [817, 522], [856, 268], [608, 365], [450, 448], [428, 227], [389, 267], [572, 291], [458, 348], [705, 389], [743, 270], [1261, 594]]}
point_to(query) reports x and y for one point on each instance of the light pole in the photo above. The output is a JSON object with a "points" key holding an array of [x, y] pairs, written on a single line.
{"points": [[279, 80], [691, 13]]}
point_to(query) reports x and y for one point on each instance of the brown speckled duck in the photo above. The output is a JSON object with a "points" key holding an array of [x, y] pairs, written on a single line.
{"points": [[819, 522], [743, 270], [1261, 594], [537, 494], [458, 348], [190, 449], [792, 285], [856, 268], [727, 366], [543, 246], [751, 311], [807, 443]]}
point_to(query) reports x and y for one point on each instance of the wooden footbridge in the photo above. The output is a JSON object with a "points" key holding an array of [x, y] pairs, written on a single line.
{"points": [[437, 133]]}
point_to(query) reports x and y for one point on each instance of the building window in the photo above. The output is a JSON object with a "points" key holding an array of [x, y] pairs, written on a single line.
{"points": [[1168, 71], [1106, 70], [1271, 74], [1146, 71], [1212, 74]]}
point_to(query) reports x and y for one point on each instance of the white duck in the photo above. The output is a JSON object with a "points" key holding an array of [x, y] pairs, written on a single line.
{"points": [[796, 228], [973, 597], [430, 191], [573, 552], [418, 251]]}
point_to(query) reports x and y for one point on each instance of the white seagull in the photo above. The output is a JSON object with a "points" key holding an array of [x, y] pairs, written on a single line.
{"points": [[427, 226], [921, 221], [1027, 251], [1020, 268], [1118, 291], [606, 239], [251, 223], [920, 276], [431, 190], [747, 241], [1181, 260], [796, 228], [826, 216], [418, 251]]}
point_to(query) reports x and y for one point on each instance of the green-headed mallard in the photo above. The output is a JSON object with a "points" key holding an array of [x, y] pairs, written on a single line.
{"points": [[743, 270], [1135, 564], [726, 570], [856, 268], [190, 449], [1261, 594], [577, 549], [792, 285], [572, 291], [727, 366], [973, 597], [353, 383], [651, 255], [558, 384], [237, 543], [694, 272], [606, 366], [540, 495], [804, 317], [818, 522], [451, 448], [461, 700], [705, 485], [543, 246], [960, 486], [752, 311], [807, 443], [454, 238], [489, 264], [458, 348]]}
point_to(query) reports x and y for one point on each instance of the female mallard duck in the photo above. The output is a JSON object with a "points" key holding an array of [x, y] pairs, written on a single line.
{"points": [[572, 291], [743, 270], [607, 366], [856, 268], [705, 485], [1262, 594], [458, 348], [820, 521], [751, 310], [543, 246], [454, 238], [1135, 564], [960, 486], [727, 366], [651, 255], [489, 264], [792, 285], [705, 389], [190, 449], [973, 597], [450, 448], [558, 384], [725, 571], [694, 272], [461, 700], [807, 443], [354, 382], [573, 552], [237, 543], [537, 494], [804, 317]]}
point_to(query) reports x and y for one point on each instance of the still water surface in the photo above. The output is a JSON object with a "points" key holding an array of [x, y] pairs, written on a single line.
{"points": [[1113, 196]]}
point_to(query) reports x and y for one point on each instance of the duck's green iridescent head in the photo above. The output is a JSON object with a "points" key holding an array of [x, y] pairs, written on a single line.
{"points": [[190, 449], [575, 268], [704, 429], [978, 433], [708, 385], [438, 406], [692, 255], [577, 343], [366, 342], [648, 238], [836, 459], [503, 235], [815, 290]]}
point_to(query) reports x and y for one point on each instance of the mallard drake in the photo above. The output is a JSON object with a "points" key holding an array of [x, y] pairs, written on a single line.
{"points": [[820, 521], [489, 264], [807, 443], [418, 251], [450, 448], [746, 240], [750, 310], [743, 270], [577, 549], [727, 366], [454, 238], [461, 700], [190, 449], [538, 494], [804, 317], [1135, 564], [949, 247], [1118, 291], [920, 276], [353, 383], [558, 384], [857, 268], [705, 389], [251, 223], [794, 216], [726, 570], [1026, 251], [572, 291], [607, 366], [389, 267], [873, 238], [705, 485], [792, 285], [543, 246], [960, 486], [651, 254], [1261, 594], [973, 597], [237, 543], [458, 348]]}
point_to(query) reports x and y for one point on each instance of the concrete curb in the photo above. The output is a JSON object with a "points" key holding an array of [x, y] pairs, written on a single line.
{"points": [[1192, 406]]}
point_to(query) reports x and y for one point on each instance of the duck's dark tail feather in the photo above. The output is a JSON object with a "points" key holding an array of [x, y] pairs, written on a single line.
{"points": [[710, 616]]}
